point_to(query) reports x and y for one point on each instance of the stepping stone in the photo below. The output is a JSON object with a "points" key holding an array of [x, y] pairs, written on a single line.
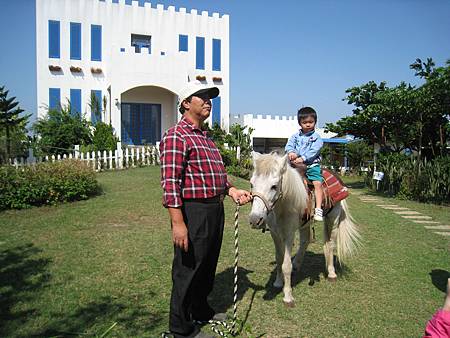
{"points": [[425, 222], [443, 233], [438, 227], [387, 205], [395, 208], [407, 212], [418, 217]]}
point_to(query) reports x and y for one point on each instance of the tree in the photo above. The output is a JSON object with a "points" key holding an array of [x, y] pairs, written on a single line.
{"points": [[59, 131], [10, 119], [358, 153]]}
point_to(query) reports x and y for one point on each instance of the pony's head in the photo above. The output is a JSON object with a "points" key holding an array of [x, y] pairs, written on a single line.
{"points": [[266, 185]]}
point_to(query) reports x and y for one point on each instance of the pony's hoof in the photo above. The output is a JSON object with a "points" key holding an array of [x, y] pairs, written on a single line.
{"points": [[332, 279], [290, 304]]}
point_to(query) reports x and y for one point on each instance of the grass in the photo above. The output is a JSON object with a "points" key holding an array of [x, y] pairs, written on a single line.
{"points": [[76, 269]]}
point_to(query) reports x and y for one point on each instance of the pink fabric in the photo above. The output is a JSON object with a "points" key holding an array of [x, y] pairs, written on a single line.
{"points": [[439, 325]]}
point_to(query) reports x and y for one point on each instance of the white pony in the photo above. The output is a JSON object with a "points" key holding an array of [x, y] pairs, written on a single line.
{"points": [[280, 200]]}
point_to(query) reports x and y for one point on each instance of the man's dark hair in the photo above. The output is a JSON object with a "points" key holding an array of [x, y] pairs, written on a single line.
{"points": [[306, 112], [181, 109]]}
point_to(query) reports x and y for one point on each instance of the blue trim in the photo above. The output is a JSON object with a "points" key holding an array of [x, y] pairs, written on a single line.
{"points": [[54, 98], [75, 41], [54, 39], [216, 111], [182, 43], [336, 140], [75, 102], [199, 53], [98, 95], [96, 43], [122, 50], [216, 54]]}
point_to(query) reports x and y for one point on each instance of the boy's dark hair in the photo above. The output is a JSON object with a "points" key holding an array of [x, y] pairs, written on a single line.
{"points": [[306, 112]]}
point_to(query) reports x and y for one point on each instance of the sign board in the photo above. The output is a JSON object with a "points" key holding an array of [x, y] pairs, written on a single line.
{"points": [[378, 175]]}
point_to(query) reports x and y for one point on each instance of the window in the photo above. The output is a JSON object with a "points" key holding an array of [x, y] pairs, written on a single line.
{"points": [[54, 98], [200, 53], [216, 111], [216, 54], [141, 41], [96, 106], [75, 102], [182, 43], [53, 39], [96, 43], [75, 41]]}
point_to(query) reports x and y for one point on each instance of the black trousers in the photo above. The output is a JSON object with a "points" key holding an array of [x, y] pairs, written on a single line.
{"points": [[193, 271]]}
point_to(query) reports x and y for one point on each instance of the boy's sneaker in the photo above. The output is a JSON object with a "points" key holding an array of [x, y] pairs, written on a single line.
{"points": [[318, 214]]}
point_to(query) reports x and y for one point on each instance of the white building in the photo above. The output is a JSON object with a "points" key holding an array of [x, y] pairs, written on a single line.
{"points": [[271, 132], [133, 59]]}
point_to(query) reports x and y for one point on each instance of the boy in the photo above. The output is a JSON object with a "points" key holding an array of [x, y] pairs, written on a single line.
{"points": [[304, 148]]}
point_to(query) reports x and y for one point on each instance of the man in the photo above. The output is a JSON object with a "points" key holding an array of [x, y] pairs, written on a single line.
{"points": [[194, 183]]}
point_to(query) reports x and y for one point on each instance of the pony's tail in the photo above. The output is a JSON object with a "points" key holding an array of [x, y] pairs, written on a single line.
{"points": [[348, 237]]}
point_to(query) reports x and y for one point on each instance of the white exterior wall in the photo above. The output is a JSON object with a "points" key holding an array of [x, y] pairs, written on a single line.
{"points": [[124, 71]]}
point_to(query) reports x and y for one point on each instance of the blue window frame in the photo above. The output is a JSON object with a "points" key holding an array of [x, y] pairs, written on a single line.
{"points": [[53, 39], [216, 54], [96, 43], [200, 53], [141, 123], [54, 98], [75, 41], [96, 111], [75, 102], [182, 43], [216, 114]]}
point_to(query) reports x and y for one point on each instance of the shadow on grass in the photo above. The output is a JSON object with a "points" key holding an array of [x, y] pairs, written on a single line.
{"points": [[22, 275], [356, 185], [96, 317], [439, 279], [313, 265]]}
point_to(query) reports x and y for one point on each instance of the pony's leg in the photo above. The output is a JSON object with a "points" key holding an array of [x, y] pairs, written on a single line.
{"points": [[330, 230], [304, 242], [287, 270], [278, 258]]}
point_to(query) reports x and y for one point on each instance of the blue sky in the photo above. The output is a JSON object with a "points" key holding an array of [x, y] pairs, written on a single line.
{"points": [[283, 54]]}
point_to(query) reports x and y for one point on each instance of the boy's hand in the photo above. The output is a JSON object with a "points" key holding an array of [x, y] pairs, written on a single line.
{"points": [[298, 160], [292, 156]]}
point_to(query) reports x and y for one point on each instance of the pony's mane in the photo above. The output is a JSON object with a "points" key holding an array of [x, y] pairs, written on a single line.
{"points": [[293, 188]]}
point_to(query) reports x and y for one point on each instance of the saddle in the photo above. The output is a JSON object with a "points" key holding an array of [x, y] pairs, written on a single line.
{"points": [[334, 190]]}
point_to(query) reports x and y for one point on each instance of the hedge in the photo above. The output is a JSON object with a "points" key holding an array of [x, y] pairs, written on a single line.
{"points": [[46, 183]]}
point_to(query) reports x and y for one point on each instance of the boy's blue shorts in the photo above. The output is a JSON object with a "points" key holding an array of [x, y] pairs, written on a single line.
{"points": [[314, 173]]}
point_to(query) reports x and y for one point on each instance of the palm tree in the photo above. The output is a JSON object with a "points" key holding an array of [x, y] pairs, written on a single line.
{"points": [[9, 117]]}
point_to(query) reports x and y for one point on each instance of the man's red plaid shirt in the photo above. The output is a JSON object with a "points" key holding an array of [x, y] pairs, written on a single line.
{"points": [[191, 165]]}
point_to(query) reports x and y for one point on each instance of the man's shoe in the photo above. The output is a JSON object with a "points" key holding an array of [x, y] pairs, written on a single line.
{"points": [[204, 335], [218, 317]]}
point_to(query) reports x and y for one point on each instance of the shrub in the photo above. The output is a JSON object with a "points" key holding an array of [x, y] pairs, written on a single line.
{"points": [[46, 183], [103, 138], [410, 178]]}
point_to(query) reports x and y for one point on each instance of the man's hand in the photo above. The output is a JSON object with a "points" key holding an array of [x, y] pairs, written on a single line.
{"points": [[239, 195], [179, 229], [292, 156]]}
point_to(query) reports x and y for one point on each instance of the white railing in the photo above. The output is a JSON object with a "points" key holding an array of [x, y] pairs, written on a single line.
{"points": [[121, 158]]}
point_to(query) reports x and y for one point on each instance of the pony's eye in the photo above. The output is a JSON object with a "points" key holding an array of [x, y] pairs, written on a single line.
{"points": [[274, 187]]}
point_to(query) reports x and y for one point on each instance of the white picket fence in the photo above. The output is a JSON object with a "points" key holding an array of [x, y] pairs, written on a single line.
{"points": [[121, 158]]}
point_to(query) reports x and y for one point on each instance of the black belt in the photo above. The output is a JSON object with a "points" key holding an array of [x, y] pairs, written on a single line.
{"points": [[215, 199]]}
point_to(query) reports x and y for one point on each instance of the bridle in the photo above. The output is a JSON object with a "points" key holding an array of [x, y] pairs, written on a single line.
{"points": [[265, 201]]}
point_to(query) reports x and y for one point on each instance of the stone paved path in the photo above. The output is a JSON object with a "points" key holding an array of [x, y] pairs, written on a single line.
{"points": [[408, 214]]}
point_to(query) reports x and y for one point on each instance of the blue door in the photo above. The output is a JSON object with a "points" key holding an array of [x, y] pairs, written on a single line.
{"points": [[141, 123]]}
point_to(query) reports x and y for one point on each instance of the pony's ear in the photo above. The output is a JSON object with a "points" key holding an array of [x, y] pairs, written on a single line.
{"points": [[255, 156], [284, 162]]}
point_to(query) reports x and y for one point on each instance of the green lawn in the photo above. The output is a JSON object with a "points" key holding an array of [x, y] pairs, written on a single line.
{"points": [[79, 268]]}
